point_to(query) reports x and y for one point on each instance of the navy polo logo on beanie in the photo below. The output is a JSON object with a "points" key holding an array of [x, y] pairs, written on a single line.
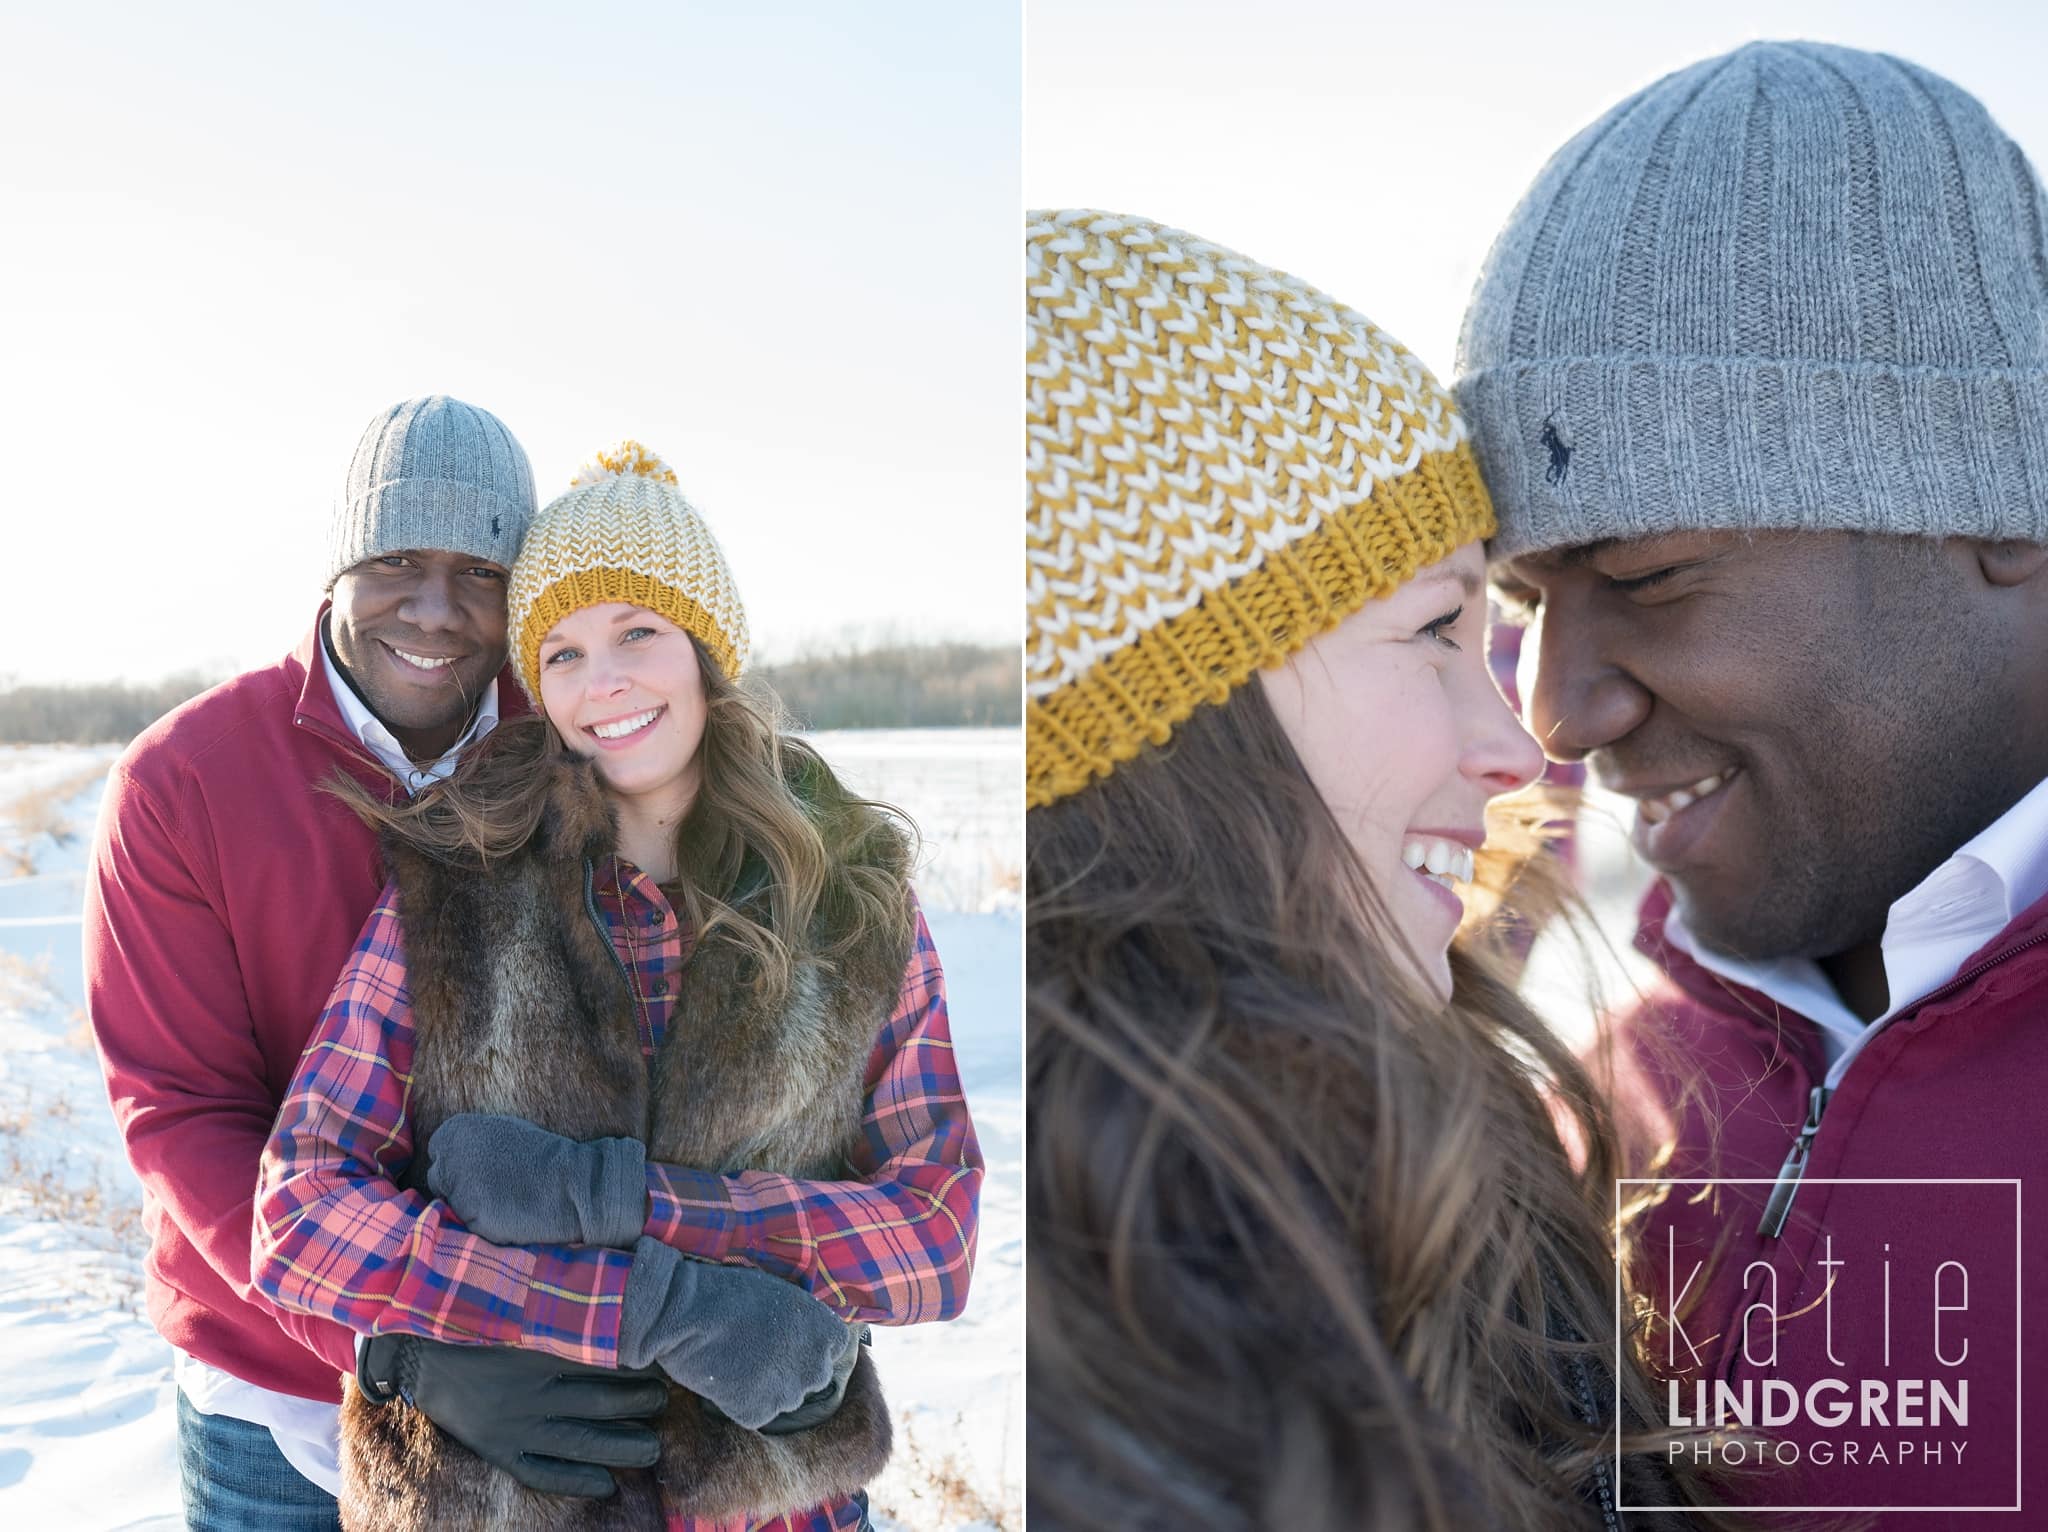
{"points": [[1560, 452]]}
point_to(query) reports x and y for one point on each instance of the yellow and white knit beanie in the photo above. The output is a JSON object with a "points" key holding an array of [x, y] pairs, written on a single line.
{"points": [[1222, 464], [623, 532]]}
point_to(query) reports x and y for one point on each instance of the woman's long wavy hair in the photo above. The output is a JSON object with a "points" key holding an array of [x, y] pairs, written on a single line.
{"points": [[1304, 1244], [774, 849]]}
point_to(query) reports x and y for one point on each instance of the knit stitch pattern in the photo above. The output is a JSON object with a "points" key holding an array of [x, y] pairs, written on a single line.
{"points": [[1221, 464], [1796, 287], [624, 533]]}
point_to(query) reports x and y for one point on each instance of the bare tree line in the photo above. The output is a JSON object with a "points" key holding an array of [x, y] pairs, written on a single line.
{"points": [[891, 685], [91, 712], [902, 686]]}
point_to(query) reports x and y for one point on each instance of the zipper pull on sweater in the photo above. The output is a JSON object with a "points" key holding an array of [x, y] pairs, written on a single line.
{"points": [[1780, 1205]]}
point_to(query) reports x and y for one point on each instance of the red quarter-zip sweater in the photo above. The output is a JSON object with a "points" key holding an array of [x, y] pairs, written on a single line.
{"points": [[223, 898], [1953, 1088]]}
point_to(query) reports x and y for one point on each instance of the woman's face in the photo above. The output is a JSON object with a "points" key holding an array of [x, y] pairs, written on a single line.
{"points": [[1399, 725], [622, 684]]}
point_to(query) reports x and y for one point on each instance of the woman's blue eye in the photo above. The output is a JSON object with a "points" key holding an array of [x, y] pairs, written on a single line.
{"points": [[637, 632], [1438, 629], [558, 655]]}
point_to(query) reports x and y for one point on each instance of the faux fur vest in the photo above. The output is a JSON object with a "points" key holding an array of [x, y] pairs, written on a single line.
{"points": [[521, 1006]]}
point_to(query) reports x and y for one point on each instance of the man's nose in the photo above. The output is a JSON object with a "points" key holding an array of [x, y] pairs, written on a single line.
{"points": [[1580, 699], [431, 605]]}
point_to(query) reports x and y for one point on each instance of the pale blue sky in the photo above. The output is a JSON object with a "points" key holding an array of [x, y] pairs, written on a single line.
{"points": [[1375, 149], [775, 242]]}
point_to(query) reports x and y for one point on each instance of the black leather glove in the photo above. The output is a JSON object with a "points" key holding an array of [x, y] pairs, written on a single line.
{"points": [[552, 1425], [754, 1345]]}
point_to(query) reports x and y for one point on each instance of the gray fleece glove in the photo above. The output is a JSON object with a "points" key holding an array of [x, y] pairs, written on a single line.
{"points": [[755, 1346], [516, 1184]]}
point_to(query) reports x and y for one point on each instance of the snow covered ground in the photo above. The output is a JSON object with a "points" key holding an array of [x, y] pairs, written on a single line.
{"points": [[964, 788], [87, 1429]]}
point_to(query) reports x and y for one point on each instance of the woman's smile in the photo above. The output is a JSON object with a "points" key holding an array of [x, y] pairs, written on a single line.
{"points": [[1442, 861], [1411, 666], [623, 731]]}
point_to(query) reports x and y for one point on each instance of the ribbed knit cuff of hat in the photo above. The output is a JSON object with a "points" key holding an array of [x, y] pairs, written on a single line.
{"points": [[1579, 450], [1134, 695], [427, 513]]}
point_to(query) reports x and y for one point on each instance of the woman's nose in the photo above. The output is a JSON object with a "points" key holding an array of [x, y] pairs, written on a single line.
{"points": [[604, 679], [1500, 754]]}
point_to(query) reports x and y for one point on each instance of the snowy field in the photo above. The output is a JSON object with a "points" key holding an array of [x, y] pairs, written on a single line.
{"points": [[87, 1428], [964, 788]]}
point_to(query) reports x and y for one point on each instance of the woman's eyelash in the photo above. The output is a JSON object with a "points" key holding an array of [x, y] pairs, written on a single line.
{"points": [[1436, 631]]}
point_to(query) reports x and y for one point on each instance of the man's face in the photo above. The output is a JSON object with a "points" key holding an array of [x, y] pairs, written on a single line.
{"points": [[1809, 723], [421, 633]]}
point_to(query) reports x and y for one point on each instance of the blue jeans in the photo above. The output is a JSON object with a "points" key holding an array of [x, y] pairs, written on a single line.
{"points": [[235, 1480]]}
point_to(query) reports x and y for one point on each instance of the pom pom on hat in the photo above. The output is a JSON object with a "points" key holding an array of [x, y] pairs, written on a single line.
{"points": [[627, 460]]}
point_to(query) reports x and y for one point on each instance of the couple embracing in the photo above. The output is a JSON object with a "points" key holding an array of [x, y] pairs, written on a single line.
{"points": [[1328, 1230], [534, 1057]]}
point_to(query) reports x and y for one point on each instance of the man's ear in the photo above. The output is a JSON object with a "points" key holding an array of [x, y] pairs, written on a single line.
{"points": [[2007, 561]]}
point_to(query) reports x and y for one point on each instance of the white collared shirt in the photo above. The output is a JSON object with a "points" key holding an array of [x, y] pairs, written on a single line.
{"points": [[1928, 936], [306, 1431]]}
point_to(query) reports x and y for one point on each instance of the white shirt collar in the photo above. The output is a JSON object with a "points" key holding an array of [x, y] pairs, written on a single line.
{"points": [[1929, 934], [380, 742]]}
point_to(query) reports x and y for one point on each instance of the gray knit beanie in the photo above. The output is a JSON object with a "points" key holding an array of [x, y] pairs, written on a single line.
{"points": [[433, 473], [1795, 287]]}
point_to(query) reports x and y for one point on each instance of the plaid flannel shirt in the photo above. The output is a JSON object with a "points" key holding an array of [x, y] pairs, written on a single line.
{"points": [[337, 1236]]}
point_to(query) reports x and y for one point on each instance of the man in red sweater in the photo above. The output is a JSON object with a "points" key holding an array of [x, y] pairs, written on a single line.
{"points": [[1758, 376], [225, 892]]}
